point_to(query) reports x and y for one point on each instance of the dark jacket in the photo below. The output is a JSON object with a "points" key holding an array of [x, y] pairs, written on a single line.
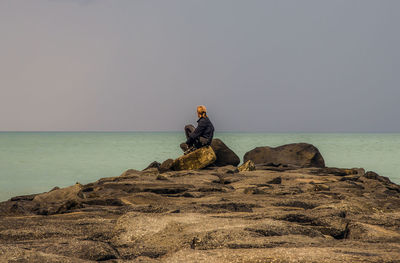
{"points": [[204, 129]]}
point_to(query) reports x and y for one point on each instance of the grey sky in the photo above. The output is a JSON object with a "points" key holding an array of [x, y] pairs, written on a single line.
{"points": [[313, 66]]}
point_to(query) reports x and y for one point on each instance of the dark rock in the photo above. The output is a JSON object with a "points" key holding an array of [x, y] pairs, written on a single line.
{"points": [[153, 165], [225, 156], [276, 180], [375, 176], [299, 154], [166, 166]]}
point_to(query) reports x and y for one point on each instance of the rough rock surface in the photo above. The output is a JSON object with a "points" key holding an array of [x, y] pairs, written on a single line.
{"points": [[247, 166], [198, 159], [296, 154], [212, 215], [225, 156]]}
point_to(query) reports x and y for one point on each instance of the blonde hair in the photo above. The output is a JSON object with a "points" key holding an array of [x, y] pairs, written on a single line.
{"points": [[202, 110]]}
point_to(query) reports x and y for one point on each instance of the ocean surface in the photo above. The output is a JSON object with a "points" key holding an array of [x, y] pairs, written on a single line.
{"points": [[34, 162]]}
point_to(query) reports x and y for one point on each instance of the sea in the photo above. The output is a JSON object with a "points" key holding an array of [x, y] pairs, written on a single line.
{"points": [[35, 162]]}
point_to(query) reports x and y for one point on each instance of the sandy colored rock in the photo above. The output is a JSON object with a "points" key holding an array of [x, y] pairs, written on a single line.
{"points": [[198, 159], [247, 166]]}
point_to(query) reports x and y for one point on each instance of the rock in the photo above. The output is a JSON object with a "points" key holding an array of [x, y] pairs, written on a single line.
{"points": [[225, 156], [372, 233], [228, 169], [276, 180], [247, 166], [375, 176], [150, 171], [321, 187], [298, 154], [335, 171], [166, 166], [59, 195], [153, 165], [161, 177], [198, 159], [129, 172]]}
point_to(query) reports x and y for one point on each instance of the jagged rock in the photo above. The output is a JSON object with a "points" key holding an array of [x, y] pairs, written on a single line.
{"points": [[213, 214], [225, 156], [153, 165], [298, 154], [198, 159], [166, 166], [60, 195], [247, 166]]}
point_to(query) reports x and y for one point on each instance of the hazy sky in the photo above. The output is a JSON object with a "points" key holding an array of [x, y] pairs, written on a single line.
{"points": [[312, 66]]}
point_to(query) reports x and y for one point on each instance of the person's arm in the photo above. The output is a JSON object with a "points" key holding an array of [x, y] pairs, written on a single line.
{"points": [[196, 133]]}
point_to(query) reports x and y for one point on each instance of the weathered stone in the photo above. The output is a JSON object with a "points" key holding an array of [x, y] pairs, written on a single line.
{"points": [[213, 215], [228, 169], [298, 154], [166, 166], [153, 165], [321, 187], [225, 156], [59, 195], [198, 159], [129, 172], [276, 180], [247, 166]]}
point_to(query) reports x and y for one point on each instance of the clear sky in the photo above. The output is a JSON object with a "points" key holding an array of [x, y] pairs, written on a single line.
{"points": [[144, 65]]}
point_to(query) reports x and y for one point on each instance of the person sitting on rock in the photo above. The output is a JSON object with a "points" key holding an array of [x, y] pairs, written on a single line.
{"points": [[200, 136]]}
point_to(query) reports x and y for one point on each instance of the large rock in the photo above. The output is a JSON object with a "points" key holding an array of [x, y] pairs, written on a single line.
{"points": [[296, 154], [195, 160], [225, 156]]}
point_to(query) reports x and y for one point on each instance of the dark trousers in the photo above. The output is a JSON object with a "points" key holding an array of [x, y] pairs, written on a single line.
{"points": [[198, 143]]}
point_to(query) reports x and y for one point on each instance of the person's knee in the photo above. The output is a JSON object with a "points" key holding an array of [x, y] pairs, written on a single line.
{"points": [[189, 127]]}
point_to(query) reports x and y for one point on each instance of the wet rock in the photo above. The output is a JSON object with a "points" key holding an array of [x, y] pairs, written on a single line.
{"points": [[225, 156], [198, 159], [299, 154], [247, 166]]}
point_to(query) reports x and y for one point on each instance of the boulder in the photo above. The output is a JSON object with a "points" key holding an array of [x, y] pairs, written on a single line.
{"points": [[166, 166], [296, 154], [225, 156], [198, 159], [247, 166]]}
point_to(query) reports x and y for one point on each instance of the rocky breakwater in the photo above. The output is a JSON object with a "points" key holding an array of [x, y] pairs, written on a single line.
{"points": [[279, 212]]}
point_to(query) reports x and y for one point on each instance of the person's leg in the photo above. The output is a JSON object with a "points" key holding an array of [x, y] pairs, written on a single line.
{"points": [[188, 130]]}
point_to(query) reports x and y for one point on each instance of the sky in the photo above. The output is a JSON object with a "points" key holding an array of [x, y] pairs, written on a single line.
{"points": [[144, 65]]}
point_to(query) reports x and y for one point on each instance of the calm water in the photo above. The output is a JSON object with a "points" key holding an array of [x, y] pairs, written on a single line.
{"points": [[32, 162]]}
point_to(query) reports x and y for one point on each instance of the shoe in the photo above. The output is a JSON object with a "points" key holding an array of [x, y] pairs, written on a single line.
{"points": [[191, 149]]}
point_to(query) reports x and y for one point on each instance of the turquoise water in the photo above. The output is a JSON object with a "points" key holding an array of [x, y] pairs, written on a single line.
{"points": [[32, 162]]}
